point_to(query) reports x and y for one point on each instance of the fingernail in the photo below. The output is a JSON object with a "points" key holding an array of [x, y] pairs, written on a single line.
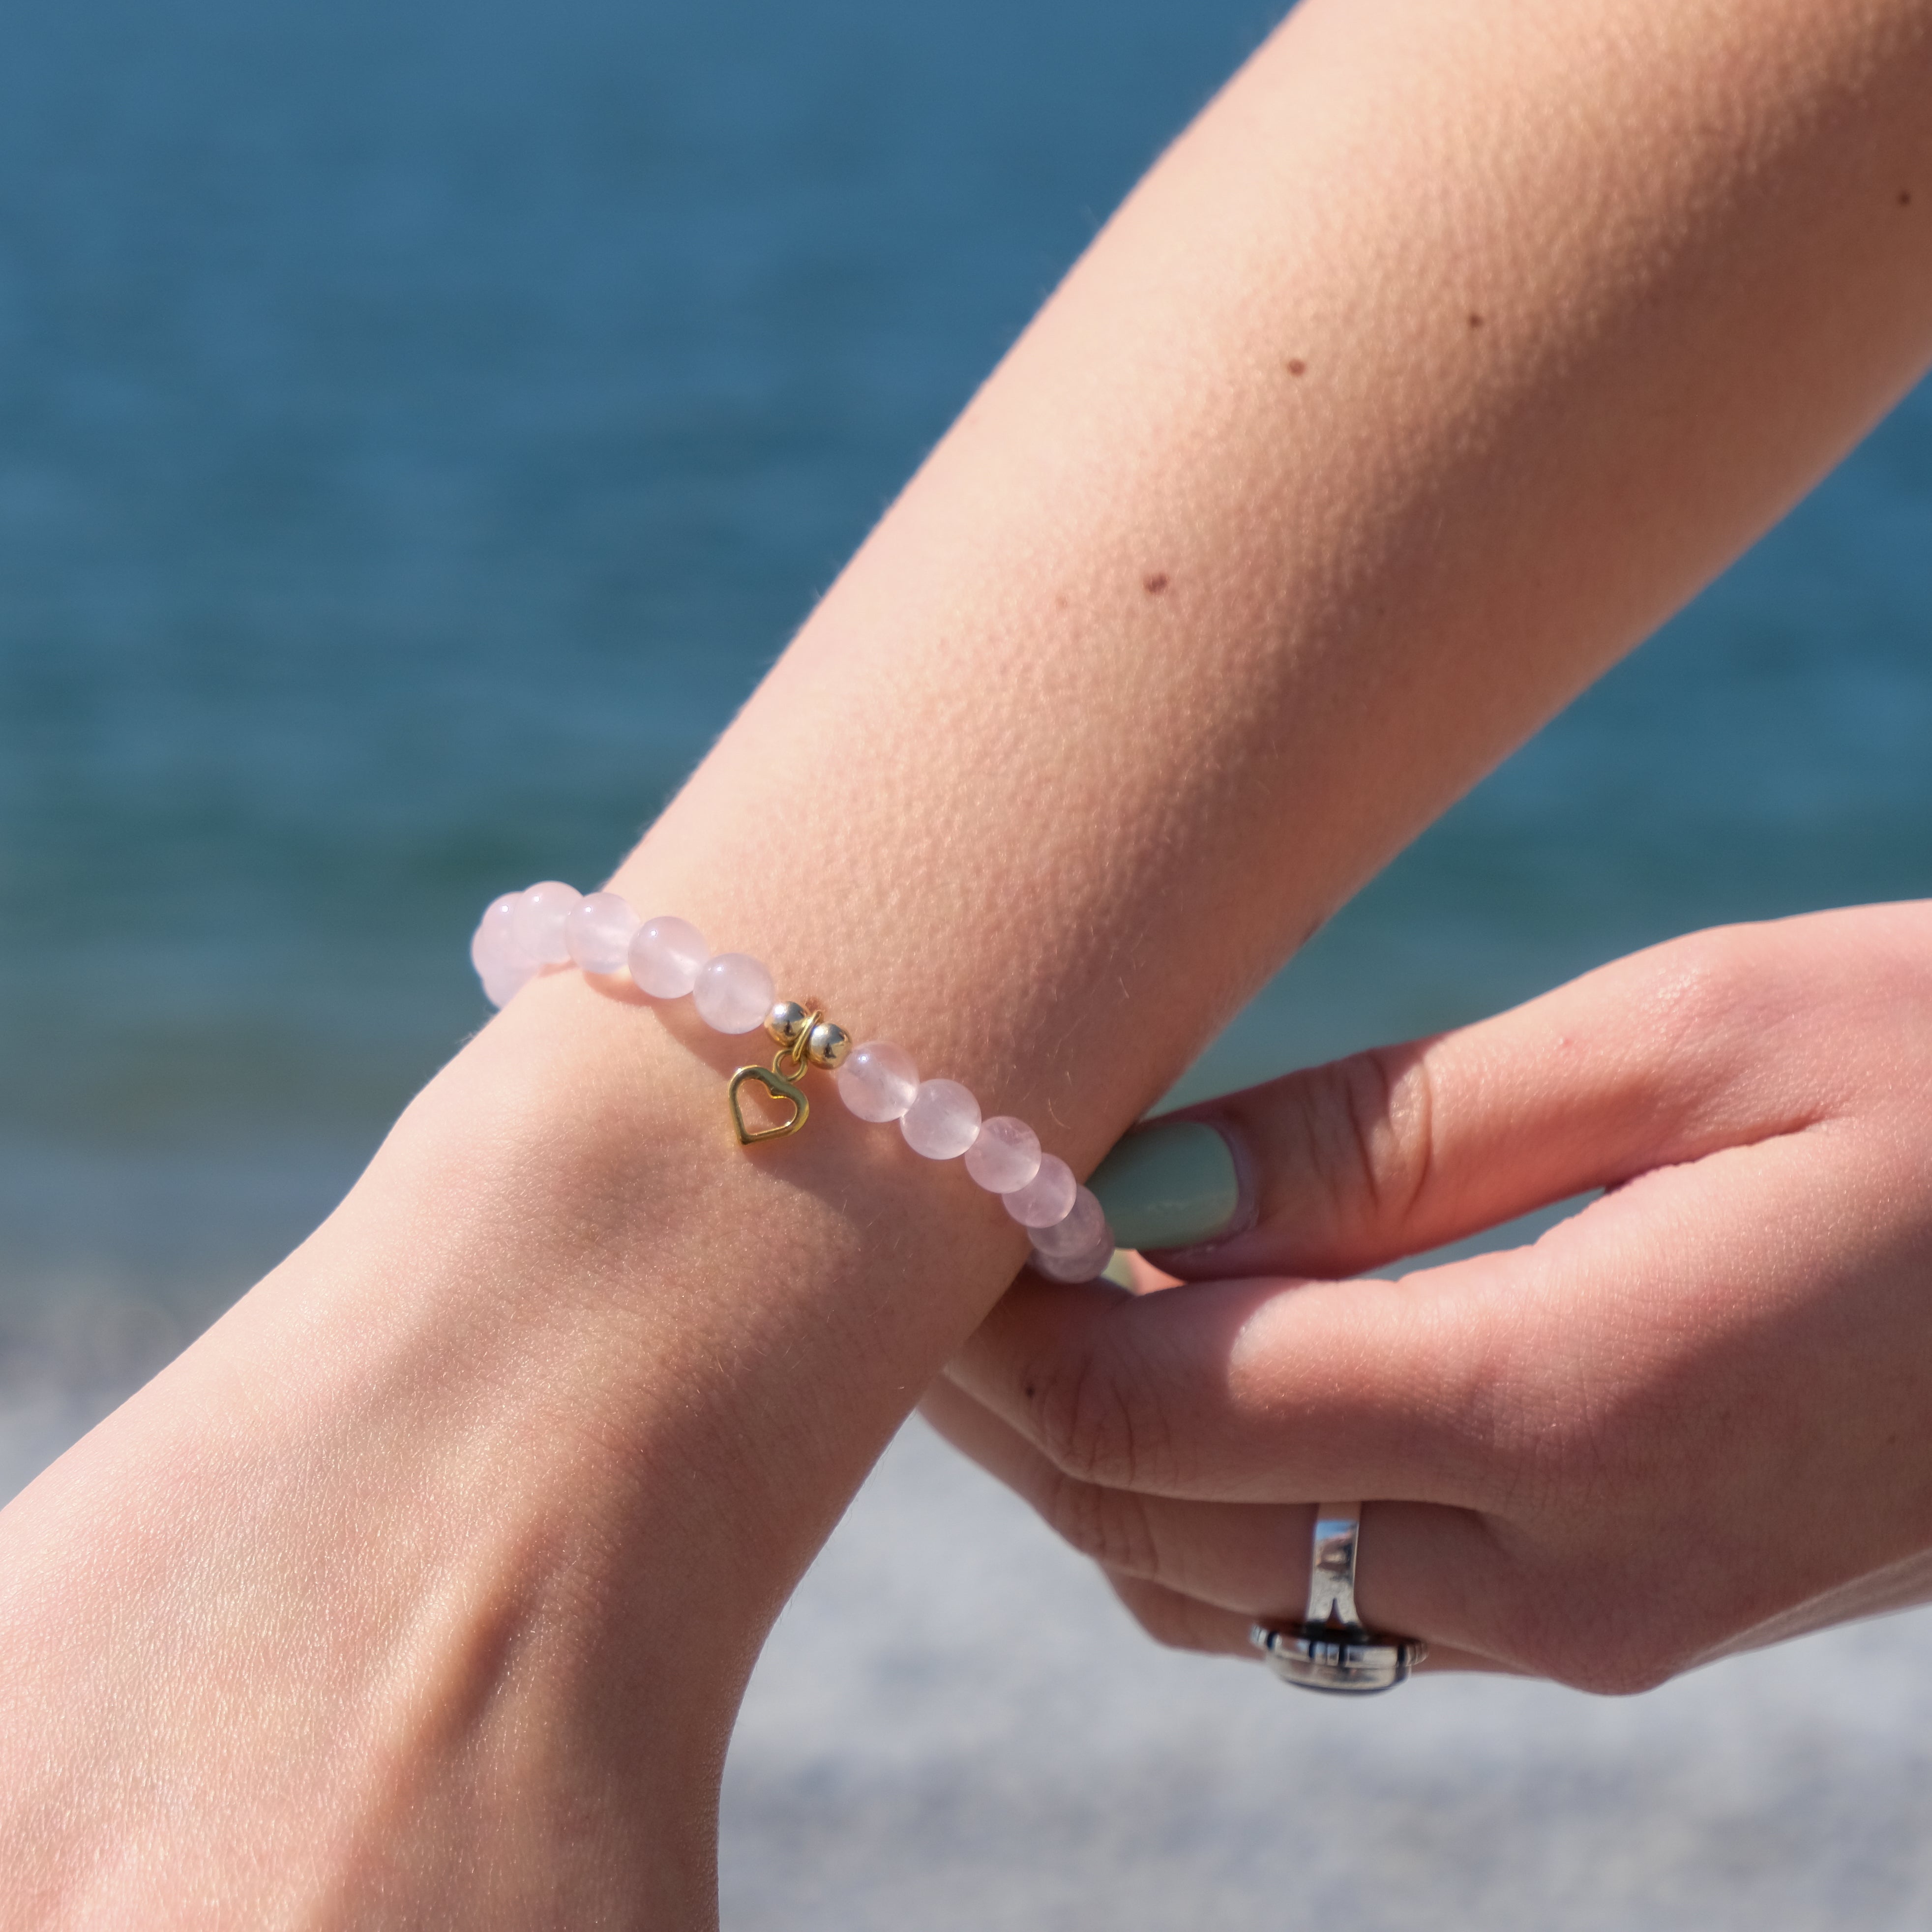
{"points": [[1167, 1186]]}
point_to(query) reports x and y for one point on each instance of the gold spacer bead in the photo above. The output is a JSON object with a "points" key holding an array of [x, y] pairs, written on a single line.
{"points": [[785, 1022], [829, 1044]]}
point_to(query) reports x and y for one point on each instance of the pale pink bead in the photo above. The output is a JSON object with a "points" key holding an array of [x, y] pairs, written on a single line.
{"points": [[1083, 1265], [734, 992], [538, 922], [598, 931], [1076, 1231], [502, 983], [942, 1121], [1046, 1198], [494, 945], [878, 1081], [665, 956], [1005, 1157], [1078, 1246]]}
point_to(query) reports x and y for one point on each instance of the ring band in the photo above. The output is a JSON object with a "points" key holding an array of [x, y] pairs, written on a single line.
{"points": [[1331, 1649]]}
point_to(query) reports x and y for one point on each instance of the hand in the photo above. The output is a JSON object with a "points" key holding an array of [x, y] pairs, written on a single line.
{"points": [[1691, 1419]]}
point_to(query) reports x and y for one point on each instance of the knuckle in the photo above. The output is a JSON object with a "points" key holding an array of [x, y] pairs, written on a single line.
{"points": [[1174, 1621], [1094, 1428], [1578, 1629], [1630, 1677], [1111, 1526], [1610, 1664], [1367, 1133], [1704, 986]]}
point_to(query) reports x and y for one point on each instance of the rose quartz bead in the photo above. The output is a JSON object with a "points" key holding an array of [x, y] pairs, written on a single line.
{"points": [[1076, 1231], [1083, 1265], [599, 931], [942, 1121], [878, 1081], [1046, 1198], [1005, 1157], [538, 922], [1078, 1246], [665, 955], [734, 992], [500, 963], [494, 945], [501, 984]]}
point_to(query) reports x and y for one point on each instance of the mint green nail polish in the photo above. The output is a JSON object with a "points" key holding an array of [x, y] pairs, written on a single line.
{"points": [[1167, 1186]]}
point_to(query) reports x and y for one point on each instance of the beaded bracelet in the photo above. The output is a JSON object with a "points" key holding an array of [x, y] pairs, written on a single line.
{"points": [[554, 925]]}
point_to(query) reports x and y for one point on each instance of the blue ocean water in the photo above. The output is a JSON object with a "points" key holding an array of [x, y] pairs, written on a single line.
{"points": [[420, 426]]}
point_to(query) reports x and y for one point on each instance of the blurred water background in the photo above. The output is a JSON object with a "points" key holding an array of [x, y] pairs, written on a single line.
{"points": [[419, 426]]}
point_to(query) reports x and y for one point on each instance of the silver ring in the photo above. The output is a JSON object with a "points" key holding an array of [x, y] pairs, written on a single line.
{"points": [[1331, 1649]]}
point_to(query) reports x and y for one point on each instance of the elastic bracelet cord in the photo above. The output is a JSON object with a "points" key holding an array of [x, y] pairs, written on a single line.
{"points": [[554, 925]]}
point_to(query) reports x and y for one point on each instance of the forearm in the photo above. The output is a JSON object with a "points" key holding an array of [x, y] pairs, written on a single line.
{"points": [[1453, 349], [1163, 625]]}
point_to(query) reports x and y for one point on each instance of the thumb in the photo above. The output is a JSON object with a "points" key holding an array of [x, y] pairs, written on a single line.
{"points": [[1699, 1044]]}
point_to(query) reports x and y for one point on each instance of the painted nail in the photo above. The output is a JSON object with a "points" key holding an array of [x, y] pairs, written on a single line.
{"points": [[1167, 1186]]}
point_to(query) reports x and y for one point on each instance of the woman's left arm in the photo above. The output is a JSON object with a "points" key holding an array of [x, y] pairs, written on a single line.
{"points": [[1691, 1420]]}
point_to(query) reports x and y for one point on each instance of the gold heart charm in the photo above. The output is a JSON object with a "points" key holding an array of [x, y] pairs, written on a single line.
{"points": [[779, 1088]]}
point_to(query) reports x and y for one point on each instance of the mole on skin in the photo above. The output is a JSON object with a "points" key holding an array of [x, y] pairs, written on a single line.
{"points": [[1154, 585], [1475, 320], [1296, 366]]}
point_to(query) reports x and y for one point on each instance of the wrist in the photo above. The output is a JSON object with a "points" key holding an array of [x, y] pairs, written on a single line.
{"points": [[717, 1341], [587, 1384]]}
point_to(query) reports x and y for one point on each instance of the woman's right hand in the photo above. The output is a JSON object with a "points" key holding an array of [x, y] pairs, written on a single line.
{"points": [[1691, 1419]]}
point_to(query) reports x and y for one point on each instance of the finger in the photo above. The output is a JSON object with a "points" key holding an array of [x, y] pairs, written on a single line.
{"points": [[1251, 1392], [1422, 1571], [1693, 1396], [1707, 1043], [1240, 1556], [1179, 1623]]}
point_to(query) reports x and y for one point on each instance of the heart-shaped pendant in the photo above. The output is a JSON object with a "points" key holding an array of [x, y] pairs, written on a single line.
{"points": [[779, 1088]]}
